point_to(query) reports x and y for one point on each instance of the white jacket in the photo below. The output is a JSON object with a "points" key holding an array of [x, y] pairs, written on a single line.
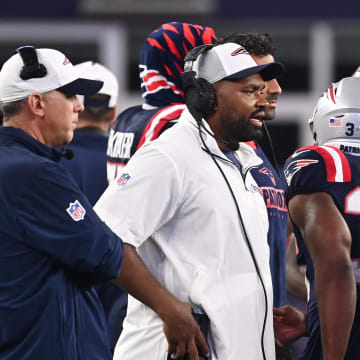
{"points": [[174, 205]]}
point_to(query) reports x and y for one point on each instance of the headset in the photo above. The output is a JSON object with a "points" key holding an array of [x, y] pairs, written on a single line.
{"points": [[200, 98], [199, 94], [32, 68]]}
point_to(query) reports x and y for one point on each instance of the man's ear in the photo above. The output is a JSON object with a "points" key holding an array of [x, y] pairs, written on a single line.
{"points": [[35, 102], [113, 114]]}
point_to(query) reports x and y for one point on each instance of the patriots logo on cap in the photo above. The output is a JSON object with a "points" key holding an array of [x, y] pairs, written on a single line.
{"points": [[123, 179], [240, 50], [295, 166], [76, 211]]}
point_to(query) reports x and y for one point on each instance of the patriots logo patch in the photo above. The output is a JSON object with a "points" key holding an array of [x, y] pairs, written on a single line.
{"points": [[240, 50], [269, 173], [76, 211], [295, 166]]}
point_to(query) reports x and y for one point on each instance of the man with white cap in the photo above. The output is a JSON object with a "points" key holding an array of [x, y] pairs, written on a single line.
{"points": [[90, 136], [202, 231], [53, 247], [88, 168]]}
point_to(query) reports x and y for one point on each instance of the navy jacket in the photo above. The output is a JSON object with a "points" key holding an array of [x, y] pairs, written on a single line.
{"points": [[88, 167], [53, 248]]}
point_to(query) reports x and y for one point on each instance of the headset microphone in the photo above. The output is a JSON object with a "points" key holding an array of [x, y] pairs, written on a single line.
{"points": [[68, 153]]}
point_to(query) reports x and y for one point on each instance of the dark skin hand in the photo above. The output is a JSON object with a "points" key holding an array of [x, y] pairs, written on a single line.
{"points": [[289, 324], [181, 330], [328, 240]]}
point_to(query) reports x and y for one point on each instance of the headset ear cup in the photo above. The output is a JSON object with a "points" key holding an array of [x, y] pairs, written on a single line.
{"points": [[199, 94], [208, 97]]}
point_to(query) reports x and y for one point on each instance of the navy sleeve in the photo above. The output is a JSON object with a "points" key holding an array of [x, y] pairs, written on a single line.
{"points": [[54, 217], [305, 172]]}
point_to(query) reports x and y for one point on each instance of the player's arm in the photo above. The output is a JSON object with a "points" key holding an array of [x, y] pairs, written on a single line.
{"points": [[295, 279], [328, 241], [180, 328]]}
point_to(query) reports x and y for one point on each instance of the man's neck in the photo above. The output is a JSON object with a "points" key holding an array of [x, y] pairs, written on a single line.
{"points": [[85, 123]]}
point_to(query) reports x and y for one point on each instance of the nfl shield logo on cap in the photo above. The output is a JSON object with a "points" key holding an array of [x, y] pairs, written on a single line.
{"points": [[76, 211]]}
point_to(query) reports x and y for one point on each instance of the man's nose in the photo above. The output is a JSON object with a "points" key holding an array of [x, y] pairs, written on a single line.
{"points": [[273, 87], [78, 106]]}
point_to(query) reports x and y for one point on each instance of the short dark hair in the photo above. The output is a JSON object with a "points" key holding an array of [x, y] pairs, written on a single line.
{"points": [[11, 109], [100, 111], [255, 43]]}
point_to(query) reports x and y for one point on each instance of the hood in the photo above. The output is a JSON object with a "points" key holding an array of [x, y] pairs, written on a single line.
{"points": [[162, 60]]}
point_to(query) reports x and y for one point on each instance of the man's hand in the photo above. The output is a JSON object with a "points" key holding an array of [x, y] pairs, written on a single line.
{"points": [[289, 324], [181, 330], [183, 333]]}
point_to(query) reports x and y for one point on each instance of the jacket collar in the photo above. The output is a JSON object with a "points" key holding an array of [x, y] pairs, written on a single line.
{"points": [[9, 135]]}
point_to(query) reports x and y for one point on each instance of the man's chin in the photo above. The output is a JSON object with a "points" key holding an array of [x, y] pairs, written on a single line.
{"points": [[269, 114], [256, 135]]}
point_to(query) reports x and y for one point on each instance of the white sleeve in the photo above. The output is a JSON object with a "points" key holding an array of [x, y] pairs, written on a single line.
{"points": [[143, 198]]}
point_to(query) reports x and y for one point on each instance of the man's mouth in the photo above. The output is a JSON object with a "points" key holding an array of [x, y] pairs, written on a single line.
{"points": [[256, 122], [272, 102]]}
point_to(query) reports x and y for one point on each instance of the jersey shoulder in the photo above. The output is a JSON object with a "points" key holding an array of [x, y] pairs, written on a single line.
{"points": [[313, 166]]}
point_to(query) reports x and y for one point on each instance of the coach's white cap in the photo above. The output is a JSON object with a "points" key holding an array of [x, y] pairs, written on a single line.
{"points": [[231, 61], [95, 71], [40, 70], [357, 72]]}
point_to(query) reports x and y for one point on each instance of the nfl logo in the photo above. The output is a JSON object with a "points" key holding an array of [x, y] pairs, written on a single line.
{"points": [[123, 179], [76, 211]]}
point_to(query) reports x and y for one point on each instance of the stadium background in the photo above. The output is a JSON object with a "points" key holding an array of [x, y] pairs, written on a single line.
{"points": [[318, 41]]}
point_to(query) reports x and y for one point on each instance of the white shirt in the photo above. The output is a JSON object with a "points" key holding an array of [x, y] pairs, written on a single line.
{"points": [[174, 206]]}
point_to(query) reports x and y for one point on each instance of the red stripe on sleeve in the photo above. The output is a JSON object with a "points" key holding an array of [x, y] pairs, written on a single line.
{"points": [[157, 129], [344, 163]]}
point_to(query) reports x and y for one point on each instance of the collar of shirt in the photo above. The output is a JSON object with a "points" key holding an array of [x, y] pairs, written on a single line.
{"points": [[9, 134]]}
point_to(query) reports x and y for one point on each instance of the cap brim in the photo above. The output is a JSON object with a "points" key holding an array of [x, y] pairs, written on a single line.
{"points": [[81, 87], [267, 71]]}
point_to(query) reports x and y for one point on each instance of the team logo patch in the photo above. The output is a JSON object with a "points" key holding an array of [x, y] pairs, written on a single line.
{"points": [[269, 173], [295, 166], [123, 179], [76, 211], [240, 50]]}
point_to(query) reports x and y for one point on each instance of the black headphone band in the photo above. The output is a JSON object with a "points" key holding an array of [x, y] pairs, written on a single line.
{"points": [[32, 68], [199, 94], [194, 53]]}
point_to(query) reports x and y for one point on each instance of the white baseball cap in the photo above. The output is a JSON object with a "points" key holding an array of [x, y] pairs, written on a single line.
{"points": [[95, 71], [357, 72], [33, 70], [231, 61]]}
